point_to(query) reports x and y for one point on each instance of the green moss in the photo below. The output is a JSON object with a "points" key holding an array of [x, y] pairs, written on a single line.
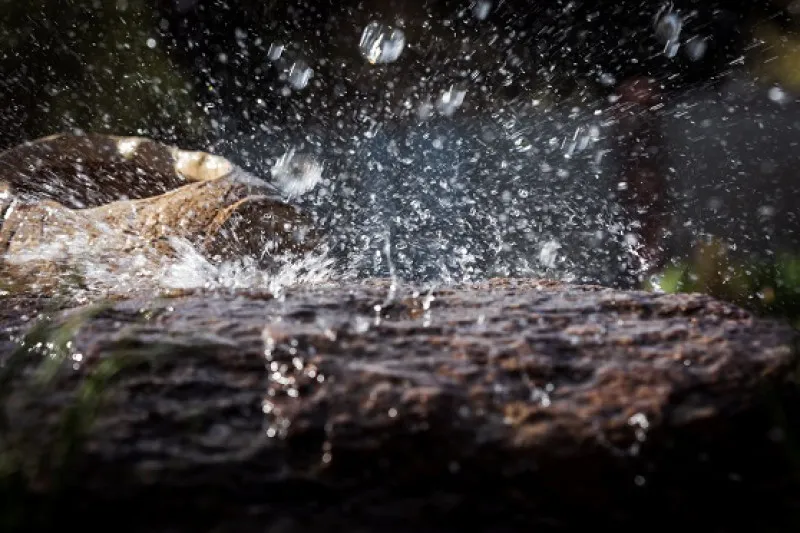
{"points": [[40, 361], [766, 287], [27, 372]]}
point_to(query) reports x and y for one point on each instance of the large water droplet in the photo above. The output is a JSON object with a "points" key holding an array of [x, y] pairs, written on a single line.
{"points": [[481, 9], [451, 100], [299, 74], [695, 48], [275, 51], [381, 44], [668, 32], [778, 95], [548, 254], [296, 174]]}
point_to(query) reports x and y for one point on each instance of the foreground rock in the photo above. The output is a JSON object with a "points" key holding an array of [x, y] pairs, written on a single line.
{"points": [[510, 404], [127, 205]]}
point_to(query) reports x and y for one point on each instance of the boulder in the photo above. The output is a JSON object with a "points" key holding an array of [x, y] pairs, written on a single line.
{"points": [[511, 405], [124, 204]]}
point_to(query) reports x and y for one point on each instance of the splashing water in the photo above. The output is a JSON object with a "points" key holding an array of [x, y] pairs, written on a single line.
{"points": [[481, 9], [191, 270], [696, 48], [451, 100], [295, 174], [275, 51], [440, 201], [432, 172], [299, 75], [668, 31], [381, 44], [187, 268]]}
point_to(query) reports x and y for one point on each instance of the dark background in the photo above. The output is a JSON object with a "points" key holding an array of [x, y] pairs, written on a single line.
{"points": [[78, 63]]}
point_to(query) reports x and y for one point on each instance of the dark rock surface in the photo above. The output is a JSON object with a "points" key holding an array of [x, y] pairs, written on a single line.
{"points": [[511, 404]]}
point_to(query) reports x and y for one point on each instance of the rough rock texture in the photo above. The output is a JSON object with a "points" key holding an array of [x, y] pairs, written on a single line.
{"points": [[67, 201], [511, 404], [82, 171]]}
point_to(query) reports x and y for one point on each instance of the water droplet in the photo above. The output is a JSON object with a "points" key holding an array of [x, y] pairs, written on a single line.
{"points": [[668, 32], [381, 44], [451, 100], [275, 51], [640, 420], [695, 48], [607, 79], [361, 325], [296, 174], [548, 255], [425, 110], [778, 95], [151, 43], [481, 9], [299, 74], [766, 211]]}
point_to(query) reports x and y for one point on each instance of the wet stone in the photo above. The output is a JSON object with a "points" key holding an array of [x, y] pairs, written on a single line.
{"points": [[511, 403], [130, 206]]}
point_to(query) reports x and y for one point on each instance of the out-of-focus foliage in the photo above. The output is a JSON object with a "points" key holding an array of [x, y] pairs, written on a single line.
{"points": [[92, 66], [778, 60], [767, 287]]}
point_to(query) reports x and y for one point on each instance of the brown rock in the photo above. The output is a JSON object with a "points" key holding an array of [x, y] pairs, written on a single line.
{"points": [[92, 170], [117, 202], [507, 403]]}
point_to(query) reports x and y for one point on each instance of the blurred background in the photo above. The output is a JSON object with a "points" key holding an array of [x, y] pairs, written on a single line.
{"points": [[632, 143]]}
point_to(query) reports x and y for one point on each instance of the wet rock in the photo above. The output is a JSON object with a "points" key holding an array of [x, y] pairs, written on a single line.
{"points": [[509, 403], [120, 203]]}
